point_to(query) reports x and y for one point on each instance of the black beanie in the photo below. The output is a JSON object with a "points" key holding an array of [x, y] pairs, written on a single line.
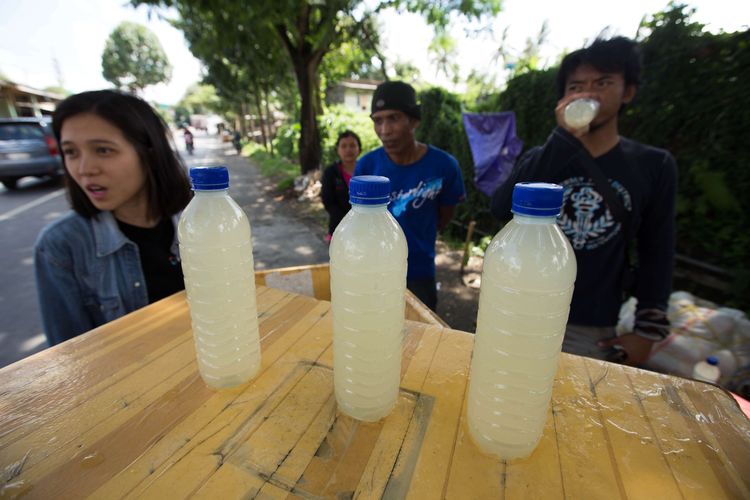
{"points": [[396, 95]]}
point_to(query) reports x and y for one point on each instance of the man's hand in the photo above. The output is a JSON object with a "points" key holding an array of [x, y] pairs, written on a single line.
{"points": [[637, 348], [560, 113]]}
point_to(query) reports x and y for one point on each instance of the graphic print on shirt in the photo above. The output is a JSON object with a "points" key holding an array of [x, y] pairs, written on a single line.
{"points": [[586, 219], [416, 196]]}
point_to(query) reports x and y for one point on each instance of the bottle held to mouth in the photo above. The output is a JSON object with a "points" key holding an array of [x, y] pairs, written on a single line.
{"points": [[579, 113]]}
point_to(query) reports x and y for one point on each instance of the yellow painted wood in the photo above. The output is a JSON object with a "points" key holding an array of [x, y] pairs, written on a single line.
{"points": [[238, 421], [224, 405], [122, 413], [317, 278], [586, 457], [679, 439], [539, 475], [474, 474], [446, 383], [643, 468]]}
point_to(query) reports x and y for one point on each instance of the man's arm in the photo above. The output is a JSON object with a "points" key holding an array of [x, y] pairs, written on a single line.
{"points": [[445, 214], [540, 164]]}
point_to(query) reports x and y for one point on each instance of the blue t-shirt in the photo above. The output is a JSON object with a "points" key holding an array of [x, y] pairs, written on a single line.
{"points": [[417, 191]]}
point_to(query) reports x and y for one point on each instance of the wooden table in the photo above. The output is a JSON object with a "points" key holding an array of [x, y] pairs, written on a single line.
{"points": [[122, 412]]}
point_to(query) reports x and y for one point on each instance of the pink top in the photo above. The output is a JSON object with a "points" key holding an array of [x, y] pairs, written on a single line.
{"points": [[346, 175]]}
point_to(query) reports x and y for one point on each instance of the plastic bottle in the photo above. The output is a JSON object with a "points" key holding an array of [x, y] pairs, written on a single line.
{"points": [[527, 284], [368, 279], [581, 112], [707, 370], [217, 262]]}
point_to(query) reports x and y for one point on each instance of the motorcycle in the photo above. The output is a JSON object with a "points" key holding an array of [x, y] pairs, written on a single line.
{"points": [[189, 143]]}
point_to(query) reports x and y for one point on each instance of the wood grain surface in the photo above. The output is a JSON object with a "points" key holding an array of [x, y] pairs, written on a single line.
{"points": [[122, 412]]}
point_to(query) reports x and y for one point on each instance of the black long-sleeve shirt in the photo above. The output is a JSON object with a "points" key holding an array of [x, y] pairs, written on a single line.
{"points": [[645, 180]]}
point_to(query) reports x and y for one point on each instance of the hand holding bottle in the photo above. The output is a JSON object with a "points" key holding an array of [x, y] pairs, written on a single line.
{"points": [[576, 112]]}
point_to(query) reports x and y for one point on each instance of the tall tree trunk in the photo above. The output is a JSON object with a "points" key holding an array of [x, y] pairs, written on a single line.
{"points": [[243, 112], [309, 141], [269, 117], [259, 109]]}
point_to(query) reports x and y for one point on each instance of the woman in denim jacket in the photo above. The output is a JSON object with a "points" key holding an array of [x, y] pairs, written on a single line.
{"points": [[117, 250]]}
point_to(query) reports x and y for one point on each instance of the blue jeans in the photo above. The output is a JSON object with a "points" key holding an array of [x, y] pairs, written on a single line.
{"points": [[425, 290]]}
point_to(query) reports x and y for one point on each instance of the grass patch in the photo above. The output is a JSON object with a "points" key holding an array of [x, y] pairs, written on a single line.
{"points": [[279, 169]]}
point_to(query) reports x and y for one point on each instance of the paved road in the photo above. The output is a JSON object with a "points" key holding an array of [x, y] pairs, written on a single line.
{"points": [[279, 240]]}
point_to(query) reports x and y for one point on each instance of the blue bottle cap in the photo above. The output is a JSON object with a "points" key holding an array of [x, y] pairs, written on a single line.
{"points": [[712, 360], [538, 199], [369, 190], [209, 178]]}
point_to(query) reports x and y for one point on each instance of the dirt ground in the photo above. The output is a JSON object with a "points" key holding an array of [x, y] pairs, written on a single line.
{"points": [[458, 293]]}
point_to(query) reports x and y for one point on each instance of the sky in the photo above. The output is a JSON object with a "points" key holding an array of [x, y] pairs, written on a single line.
{"points": [[50, 42]]}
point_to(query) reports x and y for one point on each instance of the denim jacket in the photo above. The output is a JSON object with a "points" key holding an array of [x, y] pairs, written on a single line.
{"points": [[87, 274]]}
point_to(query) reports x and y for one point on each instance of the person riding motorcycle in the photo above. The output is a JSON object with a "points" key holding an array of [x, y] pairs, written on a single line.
{"points": [[188, 135]]}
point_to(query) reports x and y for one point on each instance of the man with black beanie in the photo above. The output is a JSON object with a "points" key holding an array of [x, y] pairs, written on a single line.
{"points": [[426, 182]]}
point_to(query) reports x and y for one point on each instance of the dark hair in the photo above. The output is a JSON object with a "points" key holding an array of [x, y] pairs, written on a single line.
{"points": [[614, 55], [167, 183], [348, 133]]}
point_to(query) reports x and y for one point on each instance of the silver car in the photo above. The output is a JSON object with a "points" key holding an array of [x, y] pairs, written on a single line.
{"points": [[27, 147]]}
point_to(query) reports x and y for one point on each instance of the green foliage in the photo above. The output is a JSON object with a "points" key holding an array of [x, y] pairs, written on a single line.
{"points": [[442, 126], [199, 99], [286, 143], [280, 169], [694, 102], [335, 120], [338, 118], [533, 97], [133, 58]]}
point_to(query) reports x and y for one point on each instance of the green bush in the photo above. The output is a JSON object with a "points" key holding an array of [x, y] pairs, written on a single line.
{"points": [[286, 142], [442, 126], [338, 118]]}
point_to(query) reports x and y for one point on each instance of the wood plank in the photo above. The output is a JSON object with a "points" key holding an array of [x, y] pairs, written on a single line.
{"points": [[446, 383], [256, 460], [90, 464], [696, 469], [423, 341], [642, 466], [87, 406], [586, 459], [539, 475], [224, 405], [383, 457], [474, 474], [230, 425], [294, 465], [716, 455], [60, 440]]}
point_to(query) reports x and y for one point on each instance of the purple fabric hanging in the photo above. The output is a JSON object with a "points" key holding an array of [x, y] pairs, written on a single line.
{"points": [[494, 147]]}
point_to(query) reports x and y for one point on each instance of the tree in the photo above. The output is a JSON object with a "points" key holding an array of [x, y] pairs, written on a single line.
{"points": [[134, 59], [444, 51], [198, 99], [307, 30]]}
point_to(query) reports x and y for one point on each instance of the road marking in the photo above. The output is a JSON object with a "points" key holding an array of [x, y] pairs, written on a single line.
{"points": [[31, 204]]}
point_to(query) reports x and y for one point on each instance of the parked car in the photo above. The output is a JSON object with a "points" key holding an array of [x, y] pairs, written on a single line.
{"points": [[27, 147]]}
